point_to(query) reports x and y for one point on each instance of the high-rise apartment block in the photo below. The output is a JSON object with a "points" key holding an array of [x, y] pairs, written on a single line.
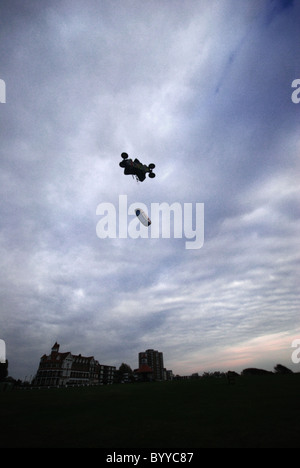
{"points": [[154, 359]]}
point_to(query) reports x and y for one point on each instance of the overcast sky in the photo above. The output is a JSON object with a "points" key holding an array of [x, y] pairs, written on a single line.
{"points": [[202, 89]]}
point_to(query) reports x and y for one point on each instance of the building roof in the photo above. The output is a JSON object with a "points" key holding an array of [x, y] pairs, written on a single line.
{"points": [[144, 368], [55, 356], [58, 356]]}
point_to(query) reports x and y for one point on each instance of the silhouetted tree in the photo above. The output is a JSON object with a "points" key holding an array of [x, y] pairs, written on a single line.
{"points": [[124, 373], [254, 371], [125, 368], [231, 376], [280, 369]]}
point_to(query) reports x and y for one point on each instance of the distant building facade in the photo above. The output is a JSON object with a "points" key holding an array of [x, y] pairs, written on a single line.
{"points": [[106, 374], [169, 374], [61, 369], [144, 373], [155, 360]]}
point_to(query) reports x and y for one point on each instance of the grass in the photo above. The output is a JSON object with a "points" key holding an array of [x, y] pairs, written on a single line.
{"points": [[208, 413]]}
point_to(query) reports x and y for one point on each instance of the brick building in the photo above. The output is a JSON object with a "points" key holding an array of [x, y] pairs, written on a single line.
{"points": [[154, 359], [58, 369]]}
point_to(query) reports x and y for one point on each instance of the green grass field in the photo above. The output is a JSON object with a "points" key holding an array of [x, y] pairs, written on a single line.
{"points": [[254, 412]]}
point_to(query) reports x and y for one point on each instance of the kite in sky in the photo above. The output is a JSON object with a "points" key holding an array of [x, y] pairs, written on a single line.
{"points": [[136, 168]]}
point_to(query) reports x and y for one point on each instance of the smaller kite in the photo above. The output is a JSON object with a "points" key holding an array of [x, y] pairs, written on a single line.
{"points": [[143, 217]]}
